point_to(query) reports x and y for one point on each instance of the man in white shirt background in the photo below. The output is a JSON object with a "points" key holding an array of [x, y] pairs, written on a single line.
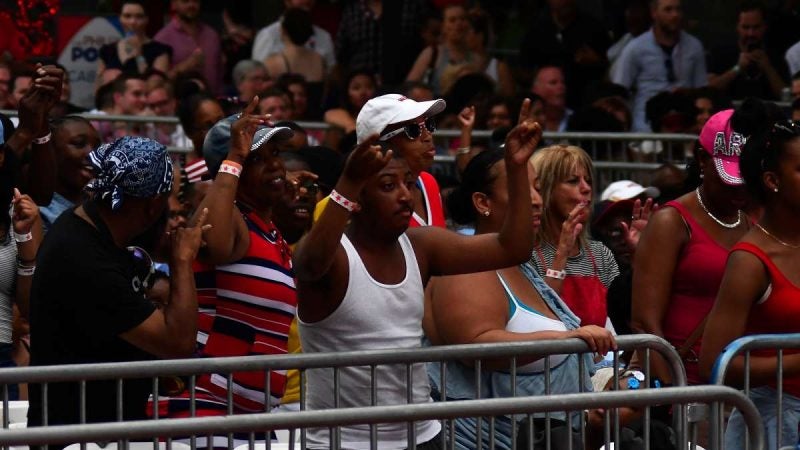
{"points": [[268, 40]]}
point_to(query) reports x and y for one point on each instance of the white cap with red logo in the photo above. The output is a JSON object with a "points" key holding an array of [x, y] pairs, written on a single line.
{"points": [[380, 112]]}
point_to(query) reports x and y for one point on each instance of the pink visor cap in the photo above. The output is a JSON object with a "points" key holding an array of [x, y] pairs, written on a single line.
{"points": [[724, 145]]}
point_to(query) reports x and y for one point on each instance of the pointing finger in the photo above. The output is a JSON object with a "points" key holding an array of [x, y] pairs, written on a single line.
{"points": [[201, 219], [251, 106]]}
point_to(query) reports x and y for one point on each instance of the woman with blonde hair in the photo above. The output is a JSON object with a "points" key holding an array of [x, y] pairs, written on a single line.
{"points": [[579, 269]]}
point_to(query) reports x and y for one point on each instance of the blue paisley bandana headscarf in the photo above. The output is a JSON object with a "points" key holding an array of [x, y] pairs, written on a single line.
{"points": [[135, 166]]}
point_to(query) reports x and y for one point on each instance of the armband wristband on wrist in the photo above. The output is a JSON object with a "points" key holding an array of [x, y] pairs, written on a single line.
{"points": [[26, 271], [20, 238], [557, 274], [44, 139], [463, 150], [230, 168], [342, 201]]}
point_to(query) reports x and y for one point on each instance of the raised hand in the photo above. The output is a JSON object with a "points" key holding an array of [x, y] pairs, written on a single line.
{"points": [[524, 111], [366, 160], [467, 117], [43, 95], [296, 179], [522, 141], [639, 219], [243, 130], [186, 241], [25, 213], [572, 227]]}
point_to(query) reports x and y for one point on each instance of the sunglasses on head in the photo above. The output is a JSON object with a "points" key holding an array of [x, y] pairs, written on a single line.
{"points": [[143, 265], [413, 130]]}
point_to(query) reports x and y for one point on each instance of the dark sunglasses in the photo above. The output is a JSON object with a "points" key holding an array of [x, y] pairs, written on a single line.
{"points": [[143, 266], [413, 130], [310, 186]]}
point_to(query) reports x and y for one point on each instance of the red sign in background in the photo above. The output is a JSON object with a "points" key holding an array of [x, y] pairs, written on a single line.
{"points": [[28, 28]]}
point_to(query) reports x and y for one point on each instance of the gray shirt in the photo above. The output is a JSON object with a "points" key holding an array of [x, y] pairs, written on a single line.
{"points": [[643, 68]]}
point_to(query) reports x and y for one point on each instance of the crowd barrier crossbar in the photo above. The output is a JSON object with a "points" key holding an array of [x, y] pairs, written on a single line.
{"points": [[443, 355], [617, 156], [191, 366], [743, 347], [373, 415]]}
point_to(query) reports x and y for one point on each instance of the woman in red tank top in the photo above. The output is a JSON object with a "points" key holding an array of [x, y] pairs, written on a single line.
{"points": [[681, 256], [759, 292]]}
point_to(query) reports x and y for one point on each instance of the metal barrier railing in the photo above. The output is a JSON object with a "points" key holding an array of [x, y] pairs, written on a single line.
{"points": [[443, 355], [257, 423], [743, 347], [616, 155]]}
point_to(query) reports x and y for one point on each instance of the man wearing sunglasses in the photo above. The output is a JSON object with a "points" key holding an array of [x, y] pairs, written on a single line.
{"points": [[406, 127]]}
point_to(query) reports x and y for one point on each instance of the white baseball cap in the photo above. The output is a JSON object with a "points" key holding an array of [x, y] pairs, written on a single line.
{"points": [[627, 189], [380, 112]]}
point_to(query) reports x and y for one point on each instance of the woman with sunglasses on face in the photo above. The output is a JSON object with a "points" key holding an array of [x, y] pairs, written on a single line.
{"points": [[406, 127], [759, 289], [507, 305], [681, 257]]}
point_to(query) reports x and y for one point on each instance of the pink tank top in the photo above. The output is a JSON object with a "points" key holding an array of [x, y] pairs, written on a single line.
{"points": [[695, 283]]}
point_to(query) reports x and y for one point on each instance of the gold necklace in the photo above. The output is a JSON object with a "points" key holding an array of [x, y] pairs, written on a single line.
{"points": [[786, 244]]}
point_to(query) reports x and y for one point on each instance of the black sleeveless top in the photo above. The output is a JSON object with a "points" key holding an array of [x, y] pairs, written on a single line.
{"points": [[151, 50]]}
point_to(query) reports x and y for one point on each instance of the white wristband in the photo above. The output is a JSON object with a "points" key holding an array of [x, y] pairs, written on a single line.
{"points": [[557, 274], [44, 139], [26, 271], [342, 201], [20, 238], [230, 169]]}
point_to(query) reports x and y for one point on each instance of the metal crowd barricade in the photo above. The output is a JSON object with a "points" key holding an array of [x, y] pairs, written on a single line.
{"points": [[443, 355], [743, 347], [616, 155], [373, 415]]}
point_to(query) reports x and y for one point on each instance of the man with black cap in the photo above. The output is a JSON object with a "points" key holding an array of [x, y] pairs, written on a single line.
{"points": [[247, 299], [88, 300]]}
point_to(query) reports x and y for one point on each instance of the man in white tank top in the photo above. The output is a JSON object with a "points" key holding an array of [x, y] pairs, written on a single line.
{"points": [[361, 275]]}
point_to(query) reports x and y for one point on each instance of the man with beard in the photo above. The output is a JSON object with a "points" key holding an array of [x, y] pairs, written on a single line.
{"points": [[745, 69]]}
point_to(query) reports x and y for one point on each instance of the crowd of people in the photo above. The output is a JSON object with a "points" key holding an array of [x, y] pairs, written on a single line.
{"points": [[267, 239], [645, 73]]}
